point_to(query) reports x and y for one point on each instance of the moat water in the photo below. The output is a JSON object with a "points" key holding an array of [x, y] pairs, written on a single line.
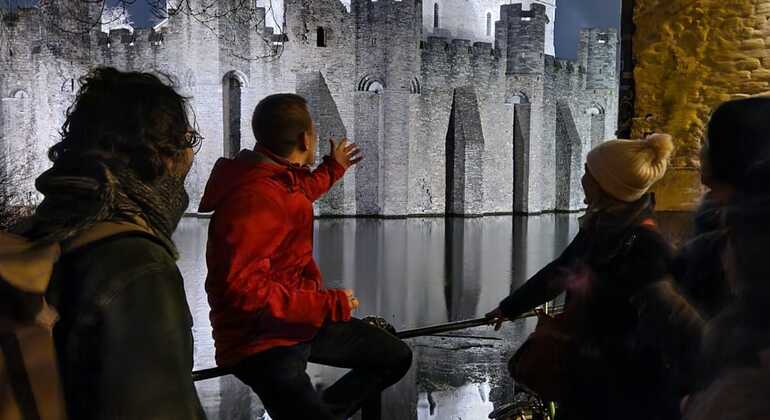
{"points": [[412, 272]]}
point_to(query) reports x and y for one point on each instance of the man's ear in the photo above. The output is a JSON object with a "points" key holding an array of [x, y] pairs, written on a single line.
{"points": [[303, 141], [306, 140]]}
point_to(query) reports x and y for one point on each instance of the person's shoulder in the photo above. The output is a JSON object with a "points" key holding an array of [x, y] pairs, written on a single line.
{"points": [[110, 264], [130, 249], [651, 239], [264, 193]]}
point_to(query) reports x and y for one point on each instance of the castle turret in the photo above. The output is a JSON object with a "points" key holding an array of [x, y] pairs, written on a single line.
{"points": [[598, 54], [524, 37]]}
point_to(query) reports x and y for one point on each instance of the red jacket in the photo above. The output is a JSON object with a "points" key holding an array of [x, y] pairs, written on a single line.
{"points": [[263, 286]]}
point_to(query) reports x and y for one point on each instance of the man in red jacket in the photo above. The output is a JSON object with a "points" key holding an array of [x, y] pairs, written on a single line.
{"points": [[269, 311]]}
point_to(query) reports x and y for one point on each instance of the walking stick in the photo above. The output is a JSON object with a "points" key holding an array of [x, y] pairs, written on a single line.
{"points": [[203, 374]]}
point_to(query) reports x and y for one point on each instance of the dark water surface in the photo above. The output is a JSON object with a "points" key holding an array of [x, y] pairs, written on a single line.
{"points": [[413, 272]]}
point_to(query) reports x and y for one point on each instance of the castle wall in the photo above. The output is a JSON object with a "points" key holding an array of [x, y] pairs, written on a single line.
{"points": [[333, 61], [372, 80], [386, 53], [445, 68], [719, 50], [464, 153], [368, 135]]}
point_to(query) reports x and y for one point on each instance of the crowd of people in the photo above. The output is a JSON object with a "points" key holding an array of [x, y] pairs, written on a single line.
{"points": [[648, 331]]}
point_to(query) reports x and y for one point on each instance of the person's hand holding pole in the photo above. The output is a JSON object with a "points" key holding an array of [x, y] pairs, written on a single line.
{"points": [[351, 299], [497, 318]]}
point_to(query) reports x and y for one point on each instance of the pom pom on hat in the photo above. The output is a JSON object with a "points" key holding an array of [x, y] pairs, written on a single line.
{"points": [[626, 169]]}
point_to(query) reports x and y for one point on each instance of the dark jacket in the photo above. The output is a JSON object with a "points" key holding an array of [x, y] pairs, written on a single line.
{"points": [[611, 373], [673, 313], [698, 267], [124, 338]]}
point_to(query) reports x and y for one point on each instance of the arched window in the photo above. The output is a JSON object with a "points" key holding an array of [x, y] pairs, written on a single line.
{"points": [[370, 83], [489, 24], [435, 15], [321, 37], [415, 87], [375, 87], [597, 124]]}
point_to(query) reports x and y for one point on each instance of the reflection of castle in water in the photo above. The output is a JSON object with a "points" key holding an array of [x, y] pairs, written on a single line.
{"points": [[398, 270], [448, 126]]}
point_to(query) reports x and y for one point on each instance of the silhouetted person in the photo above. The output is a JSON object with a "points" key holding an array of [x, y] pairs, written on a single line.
{"points": [[736, 141], [124, 338], [674, 313], [605, 373], [269, 311]]}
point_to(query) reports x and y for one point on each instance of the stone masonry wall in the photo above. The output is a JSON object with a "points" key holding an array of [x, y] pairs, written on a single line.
{"points": [[691, 55], [375, 80]]}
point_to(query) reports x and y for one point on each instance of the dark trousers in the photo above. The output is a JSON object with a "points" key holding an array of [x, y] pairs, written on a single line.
{"points": [[377, 360]]}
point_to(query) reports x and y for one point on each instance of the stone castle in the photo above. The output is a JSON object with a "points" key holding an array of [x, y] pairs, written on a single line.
{"points": [[491, 124]]}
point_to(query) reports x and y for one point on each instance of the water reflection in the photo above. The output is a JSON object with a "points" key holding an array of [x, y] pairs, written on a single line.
{"points": [[413, 272]]}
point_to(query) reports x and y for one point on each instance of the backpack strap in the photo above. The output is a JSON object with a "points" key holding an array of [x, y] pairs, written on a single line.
{"points": [[27, 265]]}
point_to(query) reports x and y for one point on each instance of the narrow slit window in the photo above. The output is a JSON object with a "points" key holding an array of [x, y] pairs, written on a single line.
{"points": [[321, 37]]}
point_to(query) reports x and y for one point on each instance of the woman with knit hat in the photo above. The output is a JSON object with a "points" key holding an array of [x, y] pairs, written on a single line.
{"points": [[597, 368]]}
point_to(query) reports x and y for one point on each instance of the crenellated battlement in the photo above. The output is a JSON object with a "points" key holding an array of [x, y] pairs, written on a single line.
{"points": [[382, 9], [516, 11], [459, 50], [141, 39], [442, 44], [561, 65]]}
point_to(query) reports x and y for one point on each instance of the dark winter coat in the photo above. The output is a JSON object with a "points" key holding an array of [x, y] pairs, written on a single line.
{"points": [[611, 374], [698, 269], [124, 337], [674, 313]]}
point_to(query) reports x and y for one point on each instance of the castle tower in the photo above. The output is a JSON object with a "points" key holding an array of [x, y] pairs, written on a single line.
{"points": [[598, 54], [550, 12], [475, 20], [387, 61], [523, 38]]}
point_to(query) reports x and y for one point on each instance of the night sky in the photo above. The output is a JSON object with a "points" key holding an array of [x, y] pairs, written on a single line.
{"points": [[571, 15]]}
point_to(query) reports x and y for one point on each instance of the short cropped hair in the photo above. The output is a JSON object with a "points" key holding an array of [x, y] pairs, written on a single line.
{"points": [[278, 120]]}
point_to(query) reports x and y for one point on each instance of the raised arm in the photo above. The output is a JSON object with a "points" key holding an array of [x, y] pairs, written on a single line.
{"points": [[342, 156], [544, 286]]}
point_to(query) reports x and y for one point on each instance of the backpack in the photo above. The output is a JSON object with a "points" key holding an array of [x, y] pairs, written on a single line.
{"points": [[30, 385]]}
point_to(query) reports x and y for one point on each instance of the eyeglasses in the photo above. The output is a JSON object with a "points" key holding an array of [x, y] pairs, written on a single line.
{"points": [[193, 140]]}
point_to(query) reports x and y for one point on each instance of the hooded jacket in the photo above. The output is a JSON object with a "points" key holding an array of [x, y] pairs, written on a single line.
{"points": [[264, 287]]}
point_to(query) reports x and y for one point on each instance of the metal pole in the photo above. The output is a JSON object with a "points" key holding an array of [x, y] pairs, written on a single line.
{"points": [[201, 375]]}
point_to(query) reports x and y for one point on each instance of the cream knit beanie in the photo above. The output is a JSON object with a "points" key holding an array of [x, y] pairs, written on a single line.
{"points": [[626, 169]]}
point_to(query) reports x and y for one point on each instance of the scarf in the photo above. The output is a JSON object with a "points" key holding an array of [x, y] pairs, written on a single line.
{"points": [[82, 192], [607, 221]]}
